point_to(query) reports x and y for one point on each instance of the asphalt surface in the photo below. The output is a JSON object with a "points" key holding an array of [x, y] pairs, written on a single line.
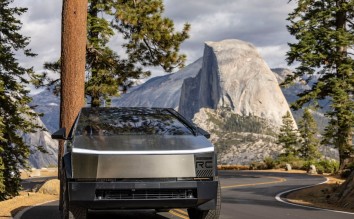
{"points": [[245, 195]]}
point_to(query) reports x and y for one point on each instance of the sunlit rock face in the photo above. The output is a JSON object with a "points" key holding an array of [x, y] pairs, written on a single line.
{"points": [[234, 76], [230, 75]]}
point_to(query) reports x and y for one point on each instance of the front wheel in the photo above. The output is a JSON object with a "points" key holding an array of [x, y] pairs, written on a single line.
{"points": [[195, 213]]}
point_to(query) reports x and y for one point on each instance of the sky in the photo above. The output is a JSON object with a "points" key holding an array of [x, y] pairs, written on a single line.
{"points": [[260, 22]]}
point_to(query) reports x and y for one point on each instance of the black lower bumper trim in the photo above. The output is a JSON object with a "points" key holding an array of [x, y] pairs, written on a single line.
{"points": [[87, 194]]}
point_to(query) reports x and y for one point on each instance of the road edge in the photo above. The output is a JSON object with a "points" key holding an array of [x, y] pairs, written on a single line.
{"points": [[19, 214], [279, 199]]}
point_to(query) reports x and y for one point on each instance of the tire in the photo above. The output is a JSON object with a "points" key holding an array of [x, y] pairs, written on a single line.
{"points": [[69, 211], [195, 213], [77, 212]]}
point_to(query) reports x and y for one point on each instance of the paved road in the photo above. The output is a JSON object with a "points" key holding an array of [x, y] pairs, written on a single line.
{"points": [[245, 195]]}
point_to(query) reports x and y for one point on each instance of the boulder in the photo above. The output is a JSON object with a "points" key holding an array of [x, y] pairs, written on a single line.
{"points": [[312, 169], [288, 167]]}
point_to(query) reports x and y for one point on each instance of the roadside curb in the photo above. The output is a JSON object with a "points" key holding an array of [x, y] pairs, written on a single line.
{"points": [[279, 198], [20, 213]]}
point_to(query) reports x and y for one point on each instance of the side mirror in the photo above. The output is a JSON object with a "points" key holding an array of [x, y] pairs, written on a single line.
{"points": [[60, 134], [203, 132]]}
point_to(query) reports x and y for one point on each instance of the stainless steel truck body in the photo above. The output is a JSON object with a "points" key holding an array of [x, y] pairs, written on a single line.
{"points": [[137, 158]]}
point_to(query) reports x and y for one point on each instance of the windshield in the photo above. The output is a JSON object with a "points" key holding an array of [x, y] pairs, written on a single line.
{"points": [[129, 121]]}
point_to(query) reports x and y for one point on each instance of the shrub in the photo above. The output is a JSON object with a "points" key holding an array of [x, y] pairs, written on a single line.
{"points": [[320, 169], [322, 166], [269, 162], [329, 166], [295, 162], [233, 167], [258, 166]]}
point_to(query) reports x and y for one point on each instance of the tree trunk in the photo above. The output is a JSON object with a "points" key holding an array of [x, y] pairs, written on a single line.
{"points": [[344, 142], [73, 60]]}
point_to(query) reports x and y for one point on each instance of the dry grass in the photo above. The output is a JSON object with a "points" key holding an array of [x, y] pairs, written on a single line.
{"points": [[245, 167], [233, 167], [12, 206], [45, 172], [281, 171], [320, 196]]}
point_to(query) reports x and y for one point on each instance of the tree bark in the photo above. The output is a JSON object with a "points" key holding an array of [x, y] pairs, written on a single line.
{"points": [[73, 60], [345, 133]]}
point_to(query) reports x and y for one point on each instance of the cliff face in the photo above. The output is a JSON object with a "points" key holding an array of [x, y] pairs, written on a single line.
{"points": [[230, 75], [234, 76], [202, 91]]}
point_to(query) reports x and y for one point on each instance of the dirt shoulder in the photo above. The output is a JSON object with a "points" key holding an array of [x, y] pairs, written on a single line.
{"points": [[322, 196]]}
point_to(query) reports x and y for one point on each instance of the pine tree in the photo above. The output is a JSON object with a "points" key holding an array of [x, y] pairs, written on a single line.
{"points": [[324, 33], [288, 136], [16, 118], [150, 40], [309, 142], [106, 70]]}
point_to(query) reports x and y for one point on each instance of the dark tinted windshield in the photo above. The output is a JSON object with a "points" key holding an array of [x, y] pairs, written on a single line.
{"points": [[129, 121]]}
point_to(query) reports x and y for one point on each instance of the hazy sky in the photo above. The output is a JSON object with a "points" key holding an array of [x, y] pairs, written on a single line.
{"points": [[260, 22]]}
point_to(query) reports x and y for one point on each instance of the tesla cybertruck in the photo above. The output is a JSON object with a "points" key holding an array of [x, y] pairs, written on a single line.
{"points": [[137, 158]]}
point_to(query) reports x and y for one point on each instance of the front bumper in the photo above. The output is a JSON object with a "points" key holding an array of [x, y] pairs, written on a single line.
{"points": [[128, 195]]}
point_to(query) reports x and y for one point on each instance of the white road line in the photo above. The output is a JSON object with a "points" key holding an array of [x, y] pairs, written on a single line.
{"points": [[278, 198]]}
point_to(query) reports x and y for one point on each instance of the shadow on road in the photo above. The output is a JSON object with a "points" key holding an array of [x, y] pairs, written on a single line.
{"points": [[51, 211], [127, 214], [42, 212]]}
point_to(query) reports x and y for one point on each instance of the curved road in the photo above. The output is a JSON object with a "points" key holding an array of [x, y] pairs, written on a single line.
{"points": [[245, 195]]}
